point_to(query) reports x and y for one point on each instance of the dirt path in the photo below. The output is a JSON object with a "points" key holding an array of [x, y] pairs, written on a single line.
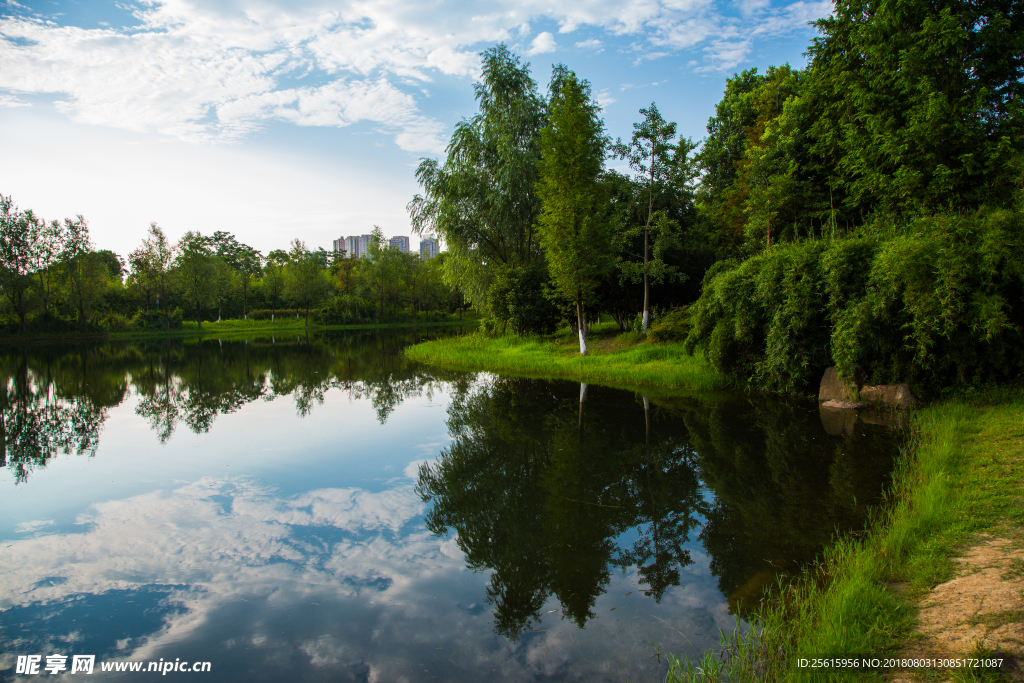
{"points": [[982, 609]]}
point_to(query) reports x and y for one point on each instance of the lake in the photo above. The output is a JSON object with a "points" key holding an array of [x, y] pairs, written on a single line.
{"points": [[321, 508]]}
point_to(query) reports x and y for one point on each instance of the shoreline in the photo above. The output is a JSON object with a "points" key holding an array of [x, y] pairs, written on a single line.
{"points": [[222, 330]]}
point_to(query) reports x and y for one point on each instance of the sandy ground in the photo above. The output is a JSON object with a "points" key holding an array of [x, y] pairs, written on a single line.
{"points": [[983, 606]]}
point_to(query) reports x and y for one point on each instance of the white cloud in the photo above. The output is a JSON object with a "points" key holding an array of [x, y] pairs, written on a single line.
{"points": [[591, 44], [218, 71], [605, 98], [725, 54], [544, 42], [12, 101], [219, 546]]}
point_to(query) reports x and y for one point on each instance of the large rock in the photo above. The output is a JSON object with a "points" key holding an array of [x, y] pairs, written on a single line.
{"points": [[834, 387], [893, 395]]}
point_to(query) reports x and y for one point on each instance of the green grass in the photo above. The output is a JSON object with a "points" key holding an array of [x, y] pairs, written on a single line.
{"points": [[611, 361], [959, 478]]}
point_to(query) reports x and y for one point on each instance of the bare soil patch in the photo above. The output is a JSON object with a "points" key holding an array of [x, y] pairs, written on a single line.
{"points": [[981, 609]]}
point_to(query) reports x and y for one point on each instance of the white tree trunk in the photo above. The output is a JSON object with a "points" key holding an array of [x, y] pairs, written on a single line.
{"points": [[583, 341], [647, 320]]}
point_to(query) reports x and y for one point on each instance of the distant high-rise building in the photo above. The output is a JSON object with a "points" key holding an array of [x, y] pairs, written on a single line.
{"points": [[429, 248], [356, 245], [401, 243]]}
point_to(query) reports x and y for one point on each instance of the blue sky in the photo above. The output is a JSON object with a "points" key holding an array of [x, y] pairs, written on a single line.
{"points": [[305, 118]]}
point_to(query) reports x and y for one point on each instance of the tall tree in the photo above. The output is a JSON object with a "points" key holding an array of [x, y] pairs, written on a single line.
{"points": [[382, 271], [81, 269], [160, 257], [306, 282], [196, 272], [248, 262], [274, 278], [143, 276], [919, 102], [49, 243], [483, 201], [572, 229], [649, 154], [17, 254]]}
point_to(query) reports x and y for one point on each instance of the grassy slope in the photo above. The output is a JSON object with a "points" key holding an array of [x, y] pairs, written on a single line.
{"points": [[610, 361]]}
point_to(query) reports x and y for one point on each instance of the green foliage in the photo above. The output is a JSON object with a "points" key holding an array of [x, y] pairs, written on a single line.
{"points": [[572, 231], [195, 272], [674, 326], [482, 201], [918, 104], [938, 304], [306, 283], [517, 301]]}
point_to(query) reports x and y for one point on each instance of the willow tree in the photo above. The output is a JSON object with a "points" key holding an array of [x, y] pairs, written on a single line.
{"points": [[482, 201], [572, 228]]}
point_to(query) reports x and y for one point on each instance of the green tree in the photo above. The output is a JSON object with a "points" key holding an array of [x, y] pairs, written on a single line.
{"points": [[483, 200], [650, 154], [142, 276], [245, 260], [572, 231], [160, 256], [16, 257], [49, 243], [383, 272], [195, 272], [81, 269], [918, 103], [306, 283], [274, 278]]}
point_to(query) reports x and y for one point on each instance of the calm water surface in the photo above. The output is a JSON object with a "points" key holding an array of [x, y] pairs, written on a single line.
{"points": [[323, 509]]}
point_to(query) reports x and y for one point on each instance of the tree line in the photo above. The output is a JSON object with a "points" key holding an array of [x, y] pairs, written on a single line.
{"points": [[863, 211], [53, 279]]}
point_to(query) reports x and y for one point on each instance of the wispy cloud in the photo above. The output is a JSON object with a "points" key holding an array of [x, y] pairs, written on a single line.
{"points": [[591, 44]]}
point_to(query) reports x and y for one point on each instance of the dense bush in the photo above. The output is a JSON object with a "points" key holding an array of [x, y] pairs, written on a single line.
{"points": [[937, 303], [674, 326], [518, 302]]}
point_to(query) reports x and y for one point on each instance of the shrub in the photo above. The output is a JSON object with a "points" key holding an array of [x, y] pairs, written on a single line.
{"points": [[674, 326], [937, 304], [517, 300]]}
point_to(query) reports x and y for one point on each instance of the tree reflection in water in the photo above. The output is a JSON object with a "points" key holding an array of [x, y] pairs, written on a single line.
{"points": [[551, 491], [54, 399], [550, 486], [540, 489]]}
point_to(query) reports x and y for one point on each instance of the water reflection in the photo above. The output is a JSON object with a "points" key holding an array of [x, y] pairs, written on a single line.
{"points": [[55, 402], [541, 496], [545, 500], [322, 508]]}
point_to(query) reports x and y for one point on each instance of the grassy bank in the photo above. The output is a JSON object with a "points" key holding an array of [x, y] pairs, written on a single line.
{"points": [[958, 483], [616, 360]]}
